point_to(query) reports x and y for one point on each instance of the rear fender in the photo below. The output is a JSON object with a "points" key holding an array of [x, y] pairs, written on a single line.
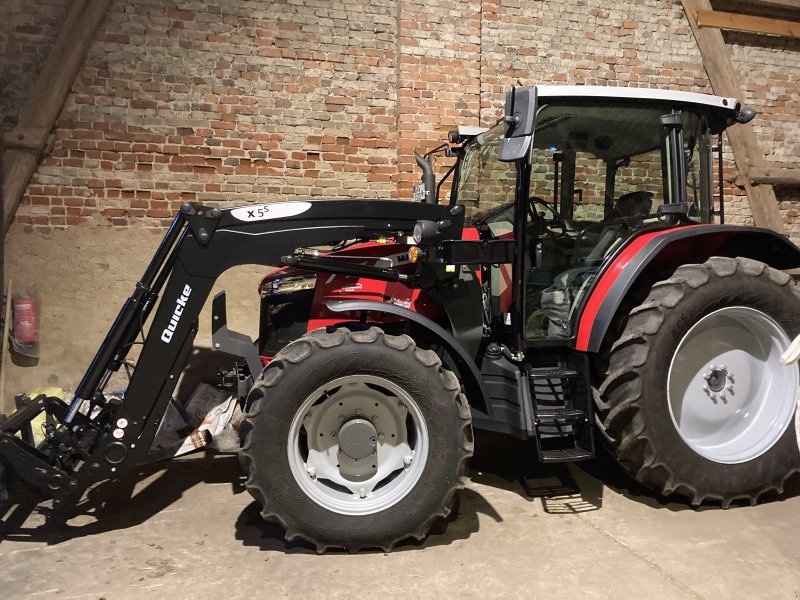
{"points": [[468, 370], [658, 250]]}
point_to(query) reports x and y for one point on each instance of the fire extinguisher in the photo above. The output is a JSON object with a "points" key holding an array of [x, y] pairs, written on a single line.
{"points": [[25, 323]]}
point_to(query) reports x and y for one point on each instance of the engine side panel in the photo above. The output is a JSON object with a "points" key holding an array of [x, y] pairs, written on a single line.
{"points": [[287, 317]]}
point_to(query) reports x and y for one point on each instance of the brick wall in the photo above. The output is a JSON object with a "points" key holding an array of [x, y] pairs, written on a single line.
{"points": [[250, 101], [255, 100]]}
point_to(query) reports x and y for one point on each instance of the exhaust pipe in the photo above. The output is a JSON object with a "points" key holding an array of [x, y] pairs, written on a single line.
{"points": [[428, 180]]}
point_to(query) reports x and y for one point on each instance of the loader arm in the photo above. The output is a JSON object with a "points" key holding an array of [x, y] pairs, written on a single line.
{"points": [[201, 244]]}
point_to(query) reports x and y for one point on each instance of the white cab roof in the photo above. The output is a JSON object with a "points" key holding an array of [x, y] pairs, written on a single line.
{"points": [[656, 94]]}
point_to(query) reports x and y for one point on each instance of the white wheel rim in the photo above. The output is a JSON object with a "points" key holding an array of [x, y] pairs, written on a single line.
{"points": [[730, 397], [383, 450]]}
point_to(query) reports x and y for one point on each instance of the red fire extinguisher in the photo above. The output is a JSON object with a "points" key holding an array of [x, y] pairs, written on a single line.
{"points": [[25, 336]]}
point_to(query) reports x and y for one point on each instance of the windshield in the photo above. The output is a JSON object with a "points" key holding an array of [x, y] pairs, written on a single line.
{"points": [[587, 162], [486, 185]]}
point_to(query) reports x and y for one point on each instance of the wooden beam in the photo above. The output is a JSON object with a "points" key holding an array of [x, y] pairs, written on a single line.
{"points": [[736, 22], [746, 152], [793, 4], [775, 175], [26, 138], [47, 97]]}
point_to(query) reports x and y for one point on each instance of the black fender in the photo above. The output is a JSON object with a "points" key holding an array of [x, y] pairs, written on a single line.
{"points": [[656, 250], [470, 374]]}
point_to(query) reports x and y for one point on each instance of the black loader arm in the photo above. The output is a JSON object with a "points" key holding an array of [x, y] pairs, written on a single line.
{"points": [[201, 244]]}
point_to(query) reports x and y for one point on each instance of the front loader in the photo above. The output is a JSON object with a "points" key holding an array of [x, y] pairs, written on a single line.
{"points": [[580, 286]]}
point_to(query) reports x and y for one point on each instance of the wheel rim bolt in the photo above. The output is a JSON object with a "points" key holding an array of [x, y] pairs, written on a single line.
{"points": [[381, 436], [333, 434], [374, 419], [713, 396], [341, 418], [358, 411]]}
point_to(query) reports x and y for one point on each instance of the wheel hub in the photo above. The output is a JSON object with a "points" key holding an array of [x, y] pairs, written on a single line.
{"points": [[358, 444], [358, 438], [716, 377]]}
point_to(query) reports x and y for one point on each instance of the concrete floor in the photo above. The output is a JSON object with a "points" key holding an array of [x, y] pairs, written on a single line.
{"points": [[186, 529]]}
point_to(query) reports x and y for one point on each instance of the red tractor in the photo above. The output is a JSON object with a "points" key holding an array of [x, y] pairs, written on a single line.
{"points": [[579, 284]]}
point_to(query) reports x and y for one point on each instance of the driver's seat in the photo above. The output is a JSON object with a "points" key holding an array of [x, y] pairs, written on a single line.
{"points": [[628, 212], [632, 207]]}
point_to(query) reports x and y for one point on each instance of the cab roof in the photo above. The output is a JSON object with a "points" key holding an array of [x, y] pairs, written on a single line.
{"points": [[636, 93]]}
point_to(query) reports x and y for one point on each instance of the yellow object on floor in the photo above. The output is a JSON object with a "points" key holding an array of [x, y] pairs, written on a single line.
{"points": [[37, 424]]}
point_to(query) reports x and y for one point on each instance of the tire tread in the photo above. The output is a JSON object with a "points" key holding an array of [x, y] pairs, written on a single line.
{"points": [[300, 350], [618, 399]]}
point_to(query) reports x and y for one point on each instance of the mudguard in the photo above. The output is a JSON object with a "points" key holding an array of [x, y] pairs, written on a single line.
{"points": [[664, 248], [470, 375]]}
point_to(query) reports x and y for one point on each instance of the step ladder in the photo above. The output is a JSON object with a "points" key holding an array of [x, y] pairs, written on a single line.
{"points": [[562, 411]]}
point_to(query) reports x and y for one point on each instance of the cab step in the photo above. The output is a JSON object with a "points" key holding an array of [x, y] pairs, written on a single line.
{"points": [[559, 415], [562, 410], [565, 455]]}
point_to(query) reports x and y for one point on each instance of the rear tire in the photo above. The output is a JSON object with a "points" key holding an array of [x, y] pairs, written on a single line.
{"points": [[695, 401], [355, 439]]}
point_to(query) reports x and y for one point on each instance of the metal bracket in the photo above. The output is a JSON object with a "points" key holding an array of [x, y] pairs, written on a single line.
{"points": [[30, 466], [203, 220], [229, 341]]}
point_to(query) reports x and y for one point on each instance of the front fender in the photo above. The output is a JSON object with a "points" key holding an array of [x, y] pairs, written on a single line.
{"points": [[663, 249], [470, 375]]}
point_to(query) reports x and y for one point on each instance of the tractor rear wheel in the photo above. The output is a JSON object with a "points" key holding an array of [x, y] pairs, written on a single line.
{"points": [[355, 439], [695, 401]]}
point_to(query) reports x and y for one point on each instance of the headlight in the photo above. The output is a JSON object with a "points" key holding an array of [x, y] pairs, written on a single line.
{"points": [[428, 233], [289, 285], [417, 233]]}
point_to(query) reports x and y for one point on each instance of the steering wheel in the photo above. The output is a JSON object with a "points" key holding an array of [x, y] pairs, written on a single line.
{"points": [[555, 220]]}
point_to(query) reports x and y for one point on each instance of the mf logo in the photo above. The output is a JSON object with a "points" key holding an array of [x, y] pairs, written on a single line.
{"points": [[180, 304]]}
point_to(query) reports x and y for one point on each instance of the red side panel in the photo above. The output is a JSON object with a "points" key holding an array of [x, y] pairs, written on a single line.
{"points": [[607, 280]]}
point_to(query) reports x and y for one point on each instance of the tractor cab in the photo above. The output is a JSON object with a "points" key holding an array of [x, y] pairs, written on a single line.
{"points": [[604, 165]]}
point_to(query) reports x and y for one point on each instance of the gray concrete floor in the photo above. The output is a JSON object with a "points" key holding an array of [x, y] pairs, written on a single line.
{"points": [[185, 529]]}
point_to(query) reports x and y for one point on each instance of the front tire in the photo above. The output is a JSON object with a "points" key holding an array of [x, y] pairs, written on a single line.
{"points": [[5, 491], [355, 439], [695, 401]]}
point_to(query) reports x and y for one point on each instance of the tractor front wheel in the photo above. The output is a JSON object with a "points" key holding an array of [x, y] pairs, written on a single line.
{"points": [[5, 491], [696, 401], [355, 439]]}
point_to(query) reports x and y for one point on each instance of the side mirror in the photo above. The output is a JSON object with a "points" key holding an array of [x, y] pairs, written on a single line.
{"points": [[519, 119]]}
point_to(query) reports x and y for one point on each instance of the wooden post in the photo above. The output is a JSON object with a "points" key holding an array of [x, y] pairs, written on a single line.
{"points": [[746, 152], [47, 97]]}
